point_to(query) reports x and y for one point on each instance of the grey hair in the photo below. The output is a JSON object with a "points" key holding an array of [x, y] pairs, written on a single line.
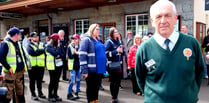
{"points": [[160, 3], [60, 31]]}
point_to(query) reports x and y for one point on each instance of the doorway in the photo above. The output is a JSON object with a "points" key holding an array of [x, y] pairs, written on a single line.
{"points": [[65, 27], [104, 30]]}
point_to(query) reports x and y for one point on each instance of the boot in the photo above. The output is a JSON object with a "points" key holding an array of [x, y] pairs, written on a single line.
{"points": [[76, 95], [51, 99], [34, 97], [21, 98], [7, 100], [57, 98], [41, 95], [71, 97]]}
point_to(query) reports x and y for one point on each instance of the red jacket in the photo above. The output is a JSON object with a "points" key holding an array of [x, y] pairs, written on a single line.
{"points": [[131, 56]]}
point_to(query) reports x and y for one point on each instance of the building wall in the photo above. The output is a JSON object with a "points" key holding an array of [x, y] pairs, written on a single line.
{"points": [[185, 9], [199, 13], [105, 14]]}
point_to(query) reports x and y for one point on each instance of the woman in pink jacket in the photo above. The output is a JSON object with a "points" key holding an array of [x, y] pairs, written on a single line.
{"points": [[131, 62]]}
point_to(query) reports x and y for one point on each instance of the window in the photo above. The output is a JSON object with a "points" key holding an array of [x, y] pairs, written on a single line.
{"points": [[200, 31], [81, 26], [137, 23]]}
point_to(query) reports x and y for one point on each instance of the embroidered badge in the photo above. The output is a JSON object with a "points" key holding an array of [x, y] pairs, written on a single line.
{"points": [[187, 53]]}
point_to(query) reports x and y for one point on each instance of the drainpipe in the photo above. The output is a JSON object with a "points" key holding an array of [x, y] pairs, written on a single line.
{"points": [[50, 23]]}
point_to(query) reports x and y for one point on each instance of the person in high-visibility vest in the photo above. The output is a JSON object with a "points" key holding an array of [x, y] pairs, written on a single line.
{"points": [[36, 53], [13, 61], [74, 67], [54, 65]]}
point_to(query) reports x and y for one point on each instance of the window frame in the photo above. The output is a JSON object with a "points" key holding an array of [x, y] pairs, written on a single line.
{"points": [[82, 25], [136, 22]]}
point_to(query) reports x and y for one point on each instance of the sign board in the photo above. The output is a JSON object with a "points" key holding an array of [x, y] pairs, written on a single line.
{"points": [[11, 15], [206, 4]]}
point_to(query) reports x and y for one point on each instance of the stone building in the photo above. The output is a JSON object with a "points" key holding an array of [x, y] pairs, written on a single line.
{"points": [[75, 16]]}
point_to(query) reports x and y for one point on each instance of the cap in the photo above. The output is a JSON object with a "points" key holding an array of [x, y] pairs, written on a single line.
{"points": [[14, 30], [32, 34], [55, 36], [75, 36]]}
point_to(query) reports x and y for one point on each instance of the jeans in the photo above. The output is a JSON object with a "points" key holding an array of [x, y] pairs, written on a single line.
{"points": [[205, 70], [75, 78]]}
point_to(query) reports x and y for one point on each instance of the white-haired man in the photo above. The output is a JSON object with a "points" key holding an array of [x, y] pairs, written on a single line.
{"points": [[63, 45], [169, 66]]}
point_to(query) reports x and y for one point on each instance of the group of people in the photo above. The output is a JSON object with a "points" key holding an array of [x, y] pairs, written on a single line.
{"points": [[167, 68]]}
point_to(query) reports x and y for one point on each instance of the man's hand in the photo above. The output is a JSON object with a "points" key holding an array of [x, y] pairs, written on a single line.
{"points": [[11, 73], [208, 44]]}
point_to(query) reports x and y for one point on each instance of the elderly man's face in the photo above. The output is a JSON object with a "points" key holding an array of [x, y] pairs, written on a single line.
{"points": [[184, 29], [163, 20], [61, 35], [129, 33]]}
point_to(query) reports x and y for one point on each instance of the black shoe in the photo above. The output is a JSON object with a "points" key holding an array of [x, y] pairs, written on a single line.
{"points": [[115, 101], [121, 87], [76, 95], [51, 99], [58, 98], [65, 79], [34, 97], [71, 97], [42, 96], [101, 88]]}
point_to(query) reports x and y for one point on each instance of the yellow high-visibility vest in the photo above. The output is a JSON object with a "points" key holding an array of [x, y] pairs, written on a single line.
{"points": [[70, 61], [11, 57], [70, 64], [37, 60], [50, 61]]}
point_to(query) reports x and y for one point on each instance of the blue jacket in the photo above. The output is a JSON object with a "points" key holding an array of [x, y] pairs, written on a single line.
{"points": [[55, 51], [111, 51], [4, 51], [87, 55], [76, 63]]}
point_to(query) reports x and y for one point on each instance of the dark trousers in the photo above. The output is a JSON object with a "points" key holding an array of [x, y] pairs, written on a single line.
{"points": [[54, 81], [64, 69], [115, 80], [134, 82], [93, 82], [208, 72], [36, 75]]}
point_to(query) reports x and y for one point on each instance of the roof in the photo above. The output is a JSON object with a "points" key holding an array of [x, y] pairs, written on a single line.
{"points": [[34, 7]]}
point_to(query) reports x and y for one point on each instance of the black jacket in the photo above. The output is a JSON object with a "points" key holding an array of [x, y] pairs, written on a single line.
{"points": [[71, 55], [205, 42]]}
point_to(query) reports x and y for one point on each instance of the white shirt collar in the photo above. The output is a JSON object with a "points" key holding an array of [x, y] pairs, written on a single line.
{"points": [[173, 39]]}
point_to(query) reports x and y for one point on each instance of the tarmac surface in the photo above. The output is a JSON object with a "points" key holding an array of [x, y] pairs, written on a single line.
{"points": [[125, 93]]}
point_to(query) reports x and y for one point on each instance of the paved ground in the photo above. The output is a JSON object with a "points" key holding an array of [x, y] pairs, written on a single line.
{"points": [[125, 94]]}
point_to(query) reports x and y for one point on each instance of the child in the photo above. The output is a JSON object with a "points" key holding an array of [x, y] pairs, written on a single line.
{"points": [[74, 66]]}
